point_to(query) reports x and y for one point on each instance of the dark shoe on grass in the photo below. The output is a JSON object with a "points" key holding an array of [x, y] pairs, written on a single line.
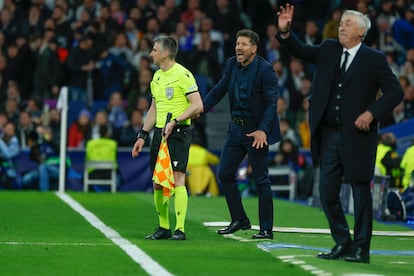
{"points": [[160, 234], [178, 235]]}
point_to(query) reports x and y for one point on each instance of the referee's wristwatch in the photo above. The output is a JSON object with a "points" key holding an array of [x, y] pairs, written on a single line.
{"points": [[177, 122]]}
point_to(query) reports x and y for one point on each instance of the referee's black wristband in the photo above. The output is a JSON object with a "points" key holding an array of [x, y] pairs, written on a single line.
{"points": [[143, 134]]}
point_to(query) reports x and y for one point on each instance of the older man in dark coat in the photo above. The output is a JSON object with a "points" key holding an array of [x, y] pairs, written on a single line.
{"points": [[343, 119]]}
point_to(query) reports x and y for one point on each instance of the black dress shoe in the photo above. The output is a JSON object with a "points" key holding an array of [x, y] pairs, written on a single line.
{"points": [[263, 234], [338, 252], [357, 255], [160, 234], [235, 226]]}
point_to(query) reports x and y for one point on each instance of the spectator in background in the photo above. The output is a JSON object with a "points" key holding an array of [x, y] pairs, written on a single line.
{"points": [[134, 35], [147, 8], [3, 121], [116, 113], [201, 179], [101, 119], [403, 29], [141, 89], [12, 110], [13, 63], [92, 7], [8, 25], [302, 125], [107, 26], [153, 28], [9, 150], [227, 20], [54, 124], [80, 130], [79, 67], [281, 73], [206, 28], [48, 74], [129, 132], [112, 70], [204, 59], [272, 48], [184, 39], [293, 86], [63, 30], [33, 24], [34, 106], [144, 49], [28, 55], [408, 100], [173, 10], [387, 162], [24, 128], [117, 13], [330, 29], [121, 47], [3, 76], [312, 36], [166, 24], [46, 154]]}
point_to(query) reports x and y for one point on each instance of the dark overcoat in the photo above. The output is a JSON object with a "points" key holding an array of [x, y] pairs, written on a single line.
{"points": [[367, 75]]}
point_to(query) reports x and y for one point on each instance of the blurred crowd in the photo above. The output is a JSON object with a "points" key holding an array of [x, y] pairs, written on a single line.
{"points": [[99, 49]]}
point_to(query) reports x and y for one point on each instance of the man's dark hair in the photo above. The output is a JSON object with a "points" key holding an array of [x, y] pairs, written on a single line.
{"points": [[253, 36], [168, 43], [103, 131]]}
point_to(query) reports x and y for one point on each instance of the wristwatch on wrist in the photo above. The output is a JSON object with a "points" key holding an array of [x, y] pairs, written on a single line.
{"points": [[176, 121]]}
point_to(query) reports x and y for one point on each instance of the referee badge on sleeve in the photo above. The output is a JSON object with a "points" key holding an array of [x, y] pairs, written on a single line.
{"points": [[169, 92]]}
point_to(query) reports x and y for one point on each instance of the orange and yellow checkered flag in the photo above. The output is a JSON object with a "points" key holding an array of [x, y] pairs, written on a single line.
{"points": [[163, 173]]}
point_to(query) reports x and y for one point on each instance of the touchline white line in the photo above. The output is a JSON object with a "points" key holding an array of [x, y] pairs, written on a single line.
{"points": [[139, 256]]}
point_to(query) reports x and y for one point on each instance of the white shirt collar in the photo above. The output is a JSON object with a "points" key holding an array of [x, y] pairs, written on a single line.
{"points": [[352, 51]]}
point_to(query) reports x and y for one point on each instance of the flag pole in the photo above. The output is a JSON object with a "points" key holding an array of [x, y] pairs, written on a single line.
{"points": [[63, 106]]}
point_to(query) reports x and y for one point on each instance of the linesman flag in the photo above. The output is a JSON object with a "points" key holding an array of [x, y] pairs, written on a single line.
{"points": [[163, 173]]}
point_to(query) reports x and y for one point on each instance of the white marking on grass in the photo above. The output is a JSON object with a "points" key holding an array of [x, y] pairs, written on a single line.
{"points": [[314, 230], [57, 243], [293, 259], [139, 256]]}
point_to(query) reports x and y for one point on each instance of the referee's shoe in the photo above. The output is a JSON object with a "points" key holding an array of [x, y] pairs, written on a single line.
{"points": [[178, 235], [160, 234]]}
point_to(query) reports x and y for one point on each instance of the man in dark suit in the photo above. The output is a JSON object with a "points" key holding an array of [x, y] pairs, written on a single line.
{"points": [[343, 121], [252, 87]]}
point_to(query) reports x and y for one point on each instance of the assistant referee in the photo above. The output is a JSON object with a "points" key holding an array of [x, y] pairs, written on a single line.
{"points": [[174, 90]]}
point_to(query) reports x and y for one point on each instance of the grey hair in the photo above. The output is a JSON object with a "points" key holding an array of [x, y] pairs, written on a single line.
{"points": [[169, 44], [362, 20]]}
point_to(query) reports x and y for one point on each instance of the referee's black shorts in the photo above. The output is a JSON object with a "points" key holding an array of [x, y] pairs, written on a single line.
{"points": [[178, 145]]}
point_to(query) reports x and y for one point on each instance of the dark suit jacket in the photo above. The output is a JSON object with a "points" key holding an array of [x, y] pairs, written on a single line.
{"points": [[262, 99], [368, 73]]}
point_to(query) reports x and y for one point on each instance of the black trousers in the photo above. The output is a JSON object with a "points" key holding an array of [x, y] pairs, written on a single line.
{"points": [[235, 149], [331, 179]]}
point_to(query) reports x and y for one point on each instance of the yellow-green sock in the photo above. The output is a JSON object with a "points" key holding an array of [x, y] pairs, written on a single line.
{"points": [[162, 209], [180, 204]]}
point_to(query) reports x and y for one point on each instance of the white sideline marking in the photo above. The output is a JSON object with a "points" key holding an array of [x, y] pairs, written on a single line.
{"points": [[139, 256]]}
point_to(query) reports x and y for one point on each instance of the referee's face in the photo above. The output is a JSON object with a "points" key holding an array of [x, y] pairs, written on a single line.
{"points": [[158, 54]]}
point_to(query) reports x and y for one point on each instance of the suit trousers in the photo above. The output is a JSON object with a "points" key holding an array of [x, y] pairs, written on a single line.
{"points": [[331, 178], [234, 151]]}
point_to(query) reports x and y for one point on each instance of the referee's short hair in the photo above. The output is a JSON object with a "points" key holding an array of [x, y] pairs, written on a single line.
{"points": [[253, 36], [168, 43]]}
